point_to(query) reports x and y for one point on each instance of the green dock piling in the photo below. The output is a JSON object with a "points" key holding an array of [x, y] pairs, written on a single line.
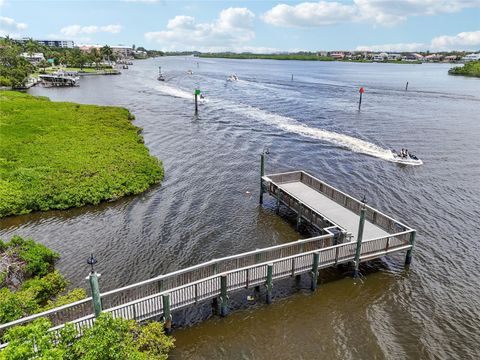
{"points": [[262, 173], [96, 300], [359, 241], [269, 283], [408, 258], [223, 296], [316, 261], [167, 316]]}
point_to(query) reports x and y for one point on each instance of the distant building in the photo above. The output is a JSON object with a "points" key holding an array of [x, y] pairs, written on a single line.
{"points": [[413, 57], [450, 58], [33, 58], [471, 57], [394, 57], [122, 51], [380, 57], [433, 57], [50, 43], [337, 55]]}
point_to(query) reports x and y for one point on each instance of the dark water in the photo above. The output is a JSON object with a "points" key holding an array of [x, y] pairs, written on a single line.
{"points": [[207, 205]]}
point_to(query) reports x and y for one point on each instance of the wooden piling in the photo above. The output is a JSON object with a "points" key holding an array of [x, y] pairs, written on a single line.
{"points": [[359, 241], [269, 283], [223, 296], [314, 273], [167, 316], [262, 173], [406, 86], [299, 215], [277, 206], [408, 258]]}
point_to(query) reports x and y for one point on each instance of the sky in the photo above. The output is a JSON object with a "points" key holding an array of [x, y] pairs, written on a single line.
{"points": [[251, 26]]}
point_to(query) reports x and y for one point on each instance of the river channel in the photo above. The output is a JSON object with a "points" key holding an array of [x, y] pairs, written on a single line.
{"points": [[207, 206]]}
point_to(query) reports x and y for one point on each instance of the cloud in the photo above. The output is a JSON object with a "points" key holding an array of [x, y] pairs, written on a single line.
{"points": [[377, 12], [466, 40], [7, 23], [461, 41], [233, 28], [75, 30]]}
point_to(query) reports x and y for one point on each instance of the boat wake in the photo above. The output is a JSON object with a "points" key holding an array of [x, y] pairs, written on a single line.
{"points": [[291, 125]]}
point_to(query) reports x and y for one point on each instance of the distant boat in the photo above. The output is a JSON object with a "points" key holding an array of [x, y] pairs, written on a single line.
{"points": [[160, 75], [190, 72], [125, 66], [232, 77]]}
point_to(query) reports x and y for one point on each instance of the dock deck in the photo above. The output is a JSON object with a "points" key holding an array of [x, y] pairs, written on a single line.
{"points": [[338, 214]]}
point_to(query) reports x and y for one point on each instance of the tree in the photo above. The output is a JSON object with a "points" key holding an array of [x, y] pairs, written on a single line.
{"points": [[108, 339], [44, 64], [106, 52]]}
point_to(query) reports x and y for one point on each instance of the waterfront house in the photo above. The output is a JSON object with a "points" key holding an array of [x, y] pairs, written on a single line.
{"points": [[380, 57], [471, 57], [394, 57], [450, 58], [413, 57], [337, 55], [33, 58], [433, 57]]}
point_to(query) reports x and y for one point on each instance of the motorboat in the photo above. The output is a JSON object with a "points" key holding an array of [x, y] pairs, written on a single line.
{"points": [[232, 77], [406, 159], [160, 75], [190, 72]]}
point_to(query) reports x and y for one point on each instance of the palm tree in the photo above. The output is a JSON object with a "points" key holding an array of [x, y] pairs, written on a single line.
{"points": [[106, 51]]}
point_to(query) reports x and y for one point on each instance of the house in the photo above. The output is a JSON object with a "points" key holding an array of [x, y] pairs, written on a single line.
{"points": [[33, 58], [337, 55], [413, 57], [450, 58], [471, 57], [433, 57], [380, 57], [394, 57]]}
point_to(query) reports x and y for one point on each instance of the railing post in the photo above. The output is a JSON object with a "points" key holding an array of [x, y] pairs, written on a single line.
{"points": [[96, 301], [316, 260], [408, 258], [269, 284], [359, 241], [277, 207], [299, 215], [223, 296], [262, 173], [167, 316]]}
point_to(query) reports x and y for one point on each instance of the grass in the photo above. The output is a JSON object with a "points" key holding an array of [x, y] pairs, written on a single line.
{"points": [[469, 69], [59, 155]]}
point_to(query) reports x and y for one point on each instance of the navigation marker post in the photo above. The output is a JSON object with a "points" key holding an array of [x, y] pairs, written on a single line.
{"points": [[197, 92], [361, 91], [406, 86]]}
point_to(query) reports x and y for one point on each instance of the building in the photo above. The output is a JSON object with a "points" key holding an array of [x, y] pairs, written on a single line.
{"points": [[33, 58], [337, 55], [413, 57], [433, 57], [394, 57], [471, 57], [121, 51], [50, 43], [450, 58], [380, 57]]}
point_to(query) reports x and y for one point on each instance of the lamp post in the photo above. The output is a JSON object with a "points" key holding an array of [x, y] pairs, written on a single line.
{"points": [[262, 171], [93, 280]]}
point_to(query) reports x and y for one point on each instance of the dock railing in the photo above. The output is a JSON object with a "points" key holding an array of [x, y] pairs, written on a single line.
{"points": [[374, 216]]}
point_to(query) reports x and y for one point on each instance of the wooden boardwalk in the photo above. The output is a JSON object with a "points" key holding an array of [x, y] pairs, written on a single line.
{"points": [[335, 213]]}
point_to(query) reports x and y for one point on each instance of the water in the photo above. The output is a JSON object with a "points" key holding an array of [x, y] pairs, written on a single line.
{"points": [[207, 205]]}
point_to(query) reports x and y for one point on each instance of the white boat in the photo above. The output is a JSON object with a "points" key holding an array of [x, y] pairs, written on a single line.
{"points": [[190, 72], [409, 159], [232, 77]]}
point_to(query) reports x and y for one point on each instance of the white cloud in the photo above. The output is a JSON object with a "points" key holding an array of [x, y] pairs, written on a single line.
{"points": [[7, 23], [75, 30], [377, 12], [462, 41], [233, 28]]}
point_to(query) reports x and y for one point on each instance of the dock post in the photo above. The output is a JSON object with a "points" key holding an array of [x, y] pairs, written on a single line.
{"points": [[167, 316], [359, 240], [93, 280], [223, 296], [277, 207], [299, 216], [408, 258], [269, 284], [97, 303], [262, 173], [316, 260], [406, 86]]}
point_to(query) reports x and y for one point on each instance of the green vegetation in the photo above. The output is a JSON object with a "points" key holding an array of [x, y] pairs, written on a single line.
{"points": [[29, 283], [300, 56], [108, 339], [469, 69], [14, 70], [61, 155]]}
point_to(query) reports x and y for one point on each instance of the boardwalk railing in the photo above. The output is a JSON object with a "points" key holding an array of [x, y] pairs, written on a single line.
{"points": [[374, 216], [242, 271]]}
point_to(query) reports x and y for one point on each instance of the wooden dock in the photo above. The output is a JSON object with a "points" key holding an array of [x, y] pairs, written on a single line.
{"points": [[351, 232]]}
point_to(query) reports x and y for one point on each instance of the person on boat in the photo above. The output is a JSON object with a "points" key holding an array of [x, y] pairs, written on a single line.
{"points": [[402, 153], [406, 153]]}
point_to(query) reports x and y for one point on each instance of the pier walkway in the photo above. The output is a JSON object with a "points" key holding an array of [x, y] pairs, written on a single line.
{"points": [[333, 212]]}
